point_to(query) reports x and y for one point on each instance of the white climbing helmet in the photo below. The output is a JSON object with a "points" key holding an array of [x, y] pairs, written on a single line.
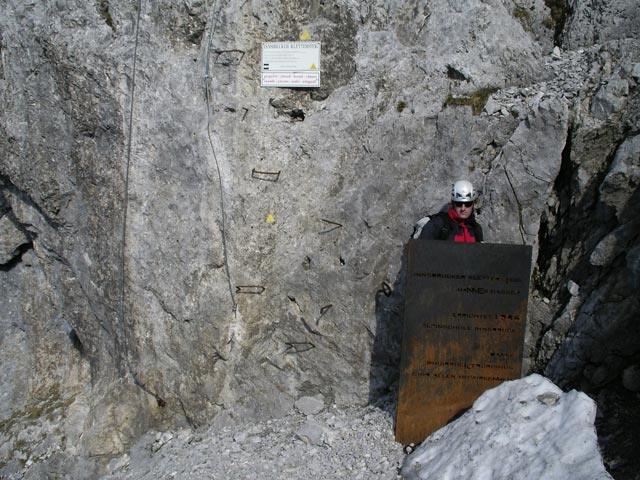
{"points": [[462, 191]]}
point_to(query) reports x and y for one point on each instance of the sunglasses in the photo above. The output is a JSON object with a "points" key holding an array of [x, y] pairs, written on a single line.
{"points": [[466, 204]]}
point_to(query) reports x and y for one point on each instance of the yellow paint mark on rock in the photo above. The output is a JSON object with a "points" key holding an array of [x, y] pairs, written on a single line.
{"points": [[270, 219], [305, 35]]}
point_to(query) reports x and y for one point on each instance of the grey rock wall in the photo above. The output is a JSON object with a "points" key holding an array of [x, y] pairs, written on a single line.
{"points": [[154, 276]]}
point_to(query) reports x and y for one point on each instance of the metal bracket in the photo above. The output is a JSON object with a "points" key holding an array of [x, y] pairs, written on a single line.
{"points": [[336, 226], [298, 347], [228, 57], [250, 289], [266, 176]]}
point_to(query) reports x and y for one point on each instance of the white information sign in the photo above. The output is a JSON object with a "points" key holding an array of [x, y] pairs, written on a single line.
{"points": [[290, 64]]}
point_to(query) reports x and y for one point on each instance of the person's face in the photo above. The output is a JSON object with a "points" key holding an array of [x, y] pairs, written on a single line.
{"points": [[463, 209]]}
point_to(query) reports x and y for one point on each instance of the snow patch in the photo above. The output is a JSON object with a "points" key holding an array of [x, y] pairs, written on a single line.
{"points": [[523, 429]]}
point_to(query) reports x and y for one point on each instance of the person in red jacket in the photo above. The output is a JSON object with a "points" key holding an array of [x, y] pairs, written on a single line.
{"points": [[458, 224]]}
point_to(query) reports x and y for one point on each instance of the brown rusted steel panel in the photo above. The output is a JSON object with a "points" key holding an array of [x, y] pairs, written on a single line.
{"points": [[464, 319]]}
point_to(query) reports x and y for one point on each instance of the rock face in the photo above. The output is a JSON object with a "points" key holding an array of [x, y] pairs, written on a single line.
{"points": [[178, 244], [522, 429]]}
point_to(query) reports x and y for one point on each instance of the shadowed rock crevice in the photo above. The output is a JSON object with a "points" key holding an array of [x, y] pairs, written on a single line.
{"points": [[549, 236], [569, 237], [559, 12], [103, 9], [16, 256]]}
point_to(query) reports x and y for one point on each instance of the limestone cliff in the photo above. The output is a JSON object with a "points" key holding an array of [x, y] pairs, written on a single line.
{"points": [[179, 245]]}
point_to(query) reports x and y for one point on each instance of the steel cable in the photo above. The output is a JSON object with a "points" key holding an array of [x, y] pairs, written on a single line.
{"points": [[123, 293], [212, 24], [126, 369]]}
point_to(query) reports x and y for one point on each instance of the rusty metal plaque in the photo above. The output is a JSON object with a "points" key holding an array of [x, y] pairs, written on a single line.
{"points": [[465, 312]]}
